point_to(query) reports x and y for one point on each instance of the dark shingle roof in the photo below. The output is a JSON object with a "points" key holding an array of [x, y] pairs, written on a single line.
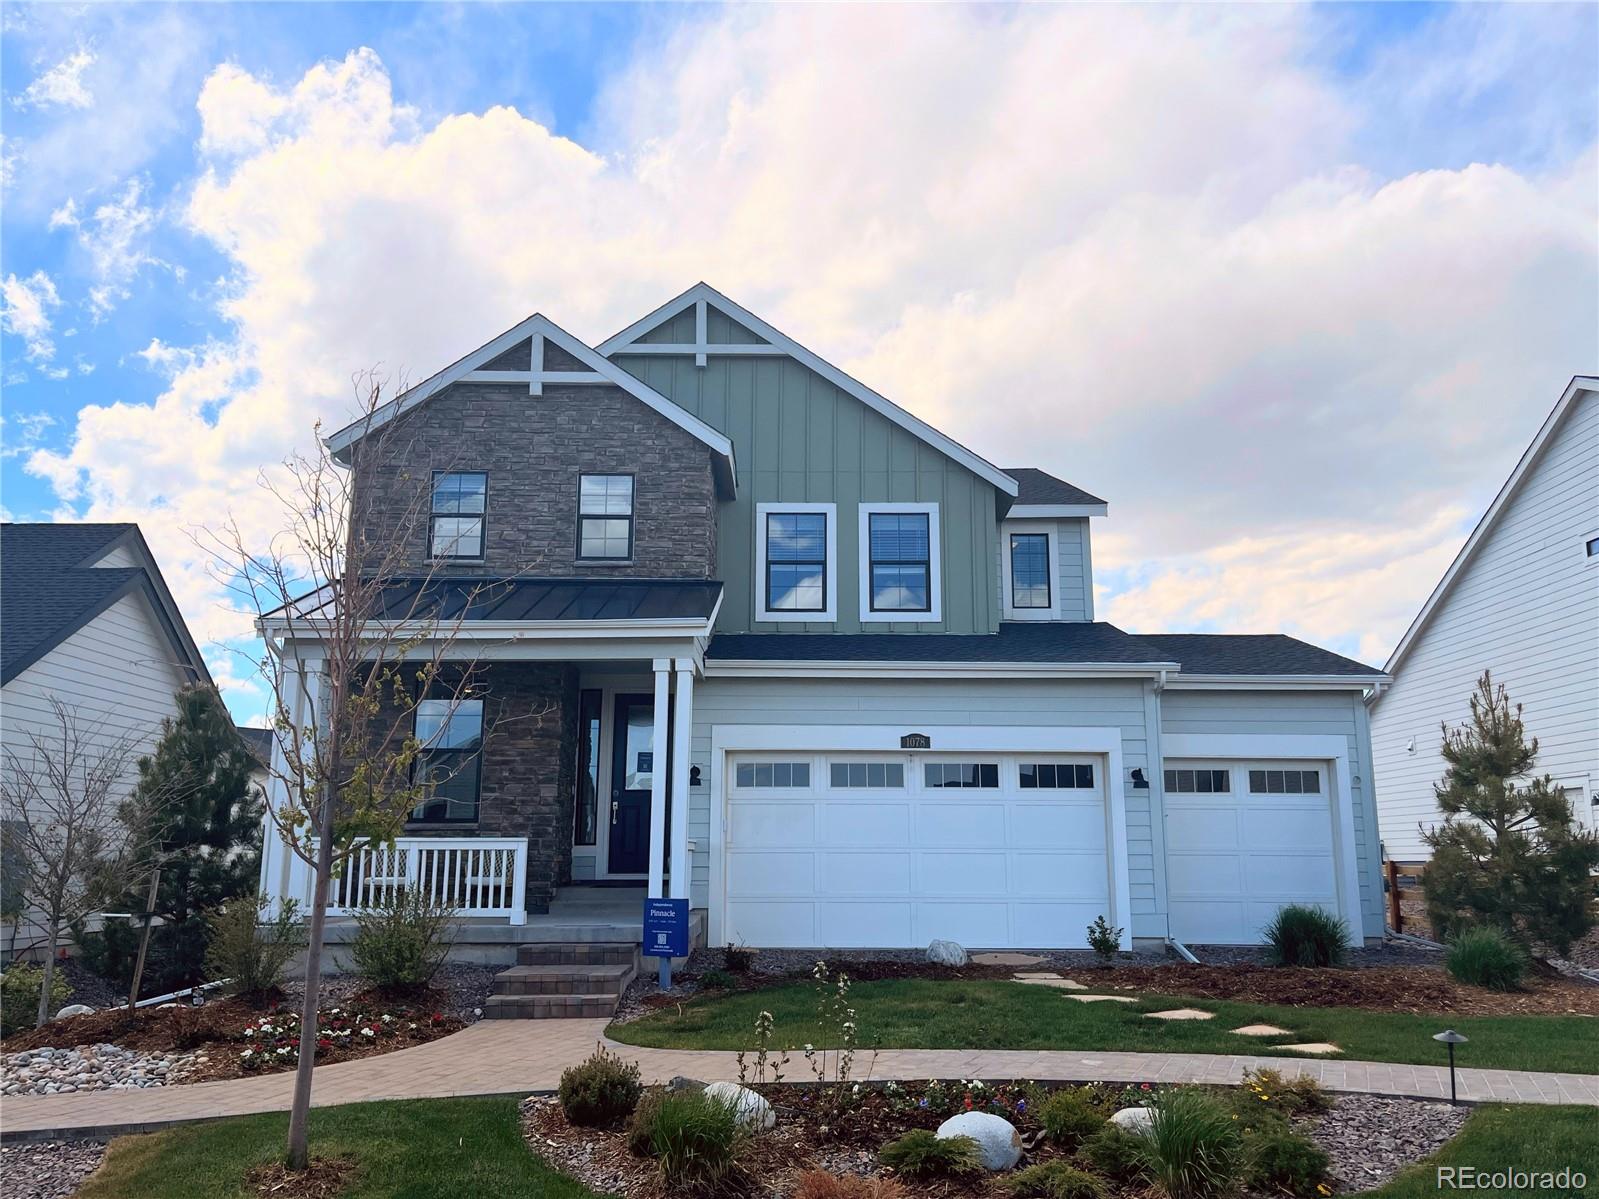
{"points": [[552, 599], [46, 593], [1040, 487], [257, 741], [1248, 653], [1053, 642]]}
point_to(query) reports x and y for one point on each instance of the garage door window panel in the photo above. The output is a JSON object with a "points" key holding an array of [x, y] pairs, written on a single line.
{"points": [[1285, 782], [859, 776], [766, 776], [980, 775], [1056, 776]]}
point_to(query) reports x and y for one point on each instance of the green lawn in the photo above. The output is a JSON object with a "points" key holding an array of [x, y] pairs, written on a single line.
{"points": [[418, 1149], [925, 1014], [1495, 1137]]}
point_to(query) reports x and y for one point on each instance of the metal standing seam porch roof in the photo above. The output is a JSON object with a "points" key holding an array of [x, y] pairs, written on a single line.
{"points": [[550, 600]]}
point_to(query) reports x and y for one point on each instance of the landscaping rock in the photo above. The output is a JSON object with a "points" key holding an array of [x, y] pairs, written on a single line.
{"points": [[48, 1169], [752, 1110], [946, 953], [679, 1083], [1181, 1013], [1104, 998], [1050, 980], [89, 1068], [1314, 1048], [74, 1009], [997, 1139], [1263, 1030], [1137, 1120], [1007, 959]]}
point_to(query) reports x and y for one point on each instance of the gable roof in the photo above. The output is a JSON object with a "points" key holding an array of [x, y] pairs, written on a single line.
{"points": [[257, 741], [538, 328], [703, 295], [1579, 385], [50, 588], [1052, 496], [1253, 654]]}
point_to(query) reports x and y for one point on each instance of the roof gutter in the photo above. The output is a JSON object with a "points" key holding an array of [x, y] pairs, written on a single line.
{"points": [[842, 669]]}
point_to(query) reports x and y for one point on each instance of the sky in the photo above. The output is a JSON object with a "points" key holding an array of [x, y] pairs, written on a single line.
{"points": [[1291, 287]]}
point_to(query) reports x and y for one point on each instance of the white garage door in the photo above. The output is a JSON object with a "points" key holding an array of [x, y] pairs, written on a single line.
{"points": [[1242, 840], [894, 850]]}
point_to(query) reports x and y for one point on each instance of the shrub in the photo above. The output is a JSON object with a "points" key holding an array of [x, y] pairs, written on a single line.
{"points": [[1282, 1161], [1486, 957], [696, 1141], [641, 1124], [1193, 1149], [1054, 1180], [1103, 939], [819, 1184], [1306, 936], [718, 980], [402, 940], [19, 996], [921, 1154], [600, 1092], [248, 953], [738, 958], [1068, 1117], [1114, 1153], [1296, 1096]]}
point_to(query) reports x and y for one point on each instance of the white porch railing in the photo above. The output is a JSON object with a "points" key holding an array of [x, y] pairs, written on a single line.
{"points": [[477, 876]]}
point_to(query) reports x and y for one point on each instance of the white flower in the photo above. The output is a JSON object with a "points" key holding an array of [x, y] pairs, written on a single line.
{"points": [[282, 1049], [247, 1053], [367, 1032], [810, 1049], [412, 1024], [387, 1018]]}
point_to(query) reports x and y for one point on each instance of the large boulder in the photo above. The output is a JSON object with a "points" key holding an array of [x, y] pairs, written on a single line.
{"points": [[946, 953], [74, 1009], [997, 1139], [753, 1112], [1138, 1120]]}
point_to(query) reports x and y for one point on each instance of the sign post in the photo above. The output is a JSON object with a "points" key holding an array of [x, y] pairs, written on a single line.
{"points": [[666, 934]]}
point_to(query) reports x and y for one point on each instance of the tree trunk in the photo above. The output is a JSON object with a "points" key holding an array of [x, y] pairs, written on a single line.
{"points": [[299, 1112], [49, 974], [144, 940]]}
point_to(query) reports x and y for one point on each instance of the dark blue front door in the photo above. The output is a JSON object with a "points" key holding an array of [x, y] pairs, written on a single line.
{"points": [[632, 767]]}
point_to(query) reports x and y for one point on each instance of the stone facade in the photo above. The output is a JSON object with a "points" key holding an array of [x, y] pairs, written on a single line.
{"points": [[533, 449]]}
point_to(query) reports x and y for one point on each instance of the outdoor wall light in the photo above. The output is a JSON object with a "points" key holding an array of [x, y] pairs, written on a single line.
{"points": [[693, 776], [1451, 1038], [1140, 783]]}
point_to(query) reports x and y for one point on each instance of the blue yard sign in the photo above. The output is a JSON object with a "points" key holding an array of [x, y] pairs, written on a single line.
{"points": [[666, 928]]}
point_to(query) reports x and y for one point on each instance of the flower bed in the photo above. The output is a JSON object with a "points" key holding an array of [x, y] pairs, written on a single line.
{"points": [[272, 1040]]}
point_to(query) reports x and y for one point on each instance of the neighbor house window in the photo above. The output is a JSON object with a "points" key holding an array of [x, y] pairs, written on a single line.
{"points": [[1198, 782], [589, 704], [1593, 547], [1029, 570], [899, 551], [1285, 782], [450, 762], [455, 529], [605, 517]]}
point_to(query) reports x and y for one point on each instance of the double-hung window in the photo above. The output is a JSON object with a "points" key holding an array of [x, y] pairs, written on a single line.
{"points": [[795, 551], [450, 762], [605, 517], [1029, 570], [456, 526], [899, 562]]}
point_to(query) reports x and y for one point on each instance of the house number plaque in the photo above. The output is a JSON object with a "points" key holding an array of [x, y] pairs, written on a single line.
{"points": [[916, 741]]}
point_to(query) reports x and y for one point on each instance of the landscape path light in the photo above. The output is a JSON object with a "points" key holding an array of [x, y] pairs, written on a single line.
{"points": [[1451, 1038]]}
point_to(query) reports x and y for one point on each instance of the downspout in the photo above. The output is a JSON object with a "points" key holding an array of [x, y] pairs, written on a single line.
{"points": [[1182, 950]]}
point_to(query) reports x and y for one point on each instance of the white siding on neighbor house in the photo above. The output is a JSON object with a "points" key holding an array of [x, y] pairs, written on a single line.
{"points": [[910, 704], [1526, 607], [1296, 713]]}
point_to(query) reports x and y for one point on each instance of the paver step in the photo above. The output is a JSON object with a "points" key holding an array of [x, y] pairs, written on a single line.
{"points": [[564, 979], [577, 953], [549, 1007]]}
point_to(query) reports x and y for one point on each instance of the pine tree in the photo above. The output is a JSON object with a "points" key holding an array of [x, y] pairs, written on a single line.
{"points": [[201, 817], [1507, 853]]}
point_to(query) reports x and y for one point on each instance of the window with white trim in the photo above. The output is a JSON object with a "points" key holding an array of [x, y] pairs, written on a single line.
{"points": [[772, 774], [605, 517], [1285, 782], [458, 512], [1198, 782], [899, 546], [1029, 571], [450, 760], [796, 562]]}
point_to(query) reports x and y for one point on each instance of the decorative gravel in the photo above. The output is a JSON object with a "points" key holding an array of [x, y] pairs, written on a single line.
{"points": [[47, 1169], [89, 1068], [1371, 1138], [1389, 953]]}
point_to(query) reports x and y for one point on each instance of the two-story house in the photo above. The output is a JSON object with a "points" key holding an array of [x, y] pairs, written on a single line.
{"points": [[801, 658]]}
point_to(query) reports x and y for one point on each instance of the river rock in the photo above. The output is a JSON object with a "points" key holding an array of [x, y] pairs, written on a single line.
{"points": [[1135, 1119], [946, 953], [997, 1139], [74, 1009], [751, 1109]]}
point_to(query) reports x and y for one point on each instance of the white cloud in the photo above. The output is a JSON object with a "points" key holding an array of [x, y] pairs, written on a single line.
{"points": [[115, 237], [21, 432], [26, 312], [1134, 246], [61, 86]]}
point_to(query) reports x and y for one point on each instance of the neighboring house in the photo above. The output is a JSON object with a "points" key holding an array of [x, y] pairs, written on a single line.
{"points": [[85, 618], [1520, 599], [893, 717], [259, 743]]}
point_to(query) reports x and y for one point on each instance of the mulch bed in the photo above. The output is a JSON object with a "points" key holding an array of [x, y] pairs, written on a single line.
{"points": [[323, 1178]]}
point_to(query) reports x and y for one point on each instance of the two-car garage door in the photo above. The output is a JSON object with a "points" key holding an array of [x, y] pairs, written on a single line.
{"points": [[897, 849]]}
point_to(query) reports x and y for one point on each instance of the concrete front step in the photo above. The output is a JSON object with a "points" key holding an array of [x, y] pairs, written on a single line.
{"points": [[549, 1007], [578, 953], [564, 979]]}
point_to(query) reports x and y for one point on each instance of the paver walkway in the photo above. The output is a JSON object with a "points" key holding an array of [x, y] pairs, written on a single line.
{"points": [[498, 1057]]}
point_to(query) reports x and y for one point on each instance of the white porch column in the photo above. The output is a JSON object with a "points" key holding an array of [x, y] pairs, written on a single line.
{"points": [[663, 680], [682, 746], [274, 854]]}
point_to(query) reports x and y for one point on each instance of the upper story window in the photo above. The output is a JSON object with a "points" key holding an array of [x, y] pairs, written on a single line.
{"points": [[605, 517], [455, 528], [899, 562], [795, 552], [1029, 570], [451, 733]]}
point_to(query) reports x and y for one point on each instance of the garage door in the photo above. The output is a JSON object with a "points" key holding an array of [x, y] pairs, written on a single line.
{"points": [[886, 850], [1242, 840]]}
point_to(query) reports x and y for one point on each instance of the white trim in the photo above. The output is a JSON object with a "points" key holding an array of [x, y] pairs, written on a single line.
{"points": [[539, 328], [830, 612], [1006, 578], [1332, 750], [682, 867], [623, 343], [1529, 458], [1054, 511], [763, 668], [658, 778], [935, 566], [732, 349], [732, 738], [1277, 682]]}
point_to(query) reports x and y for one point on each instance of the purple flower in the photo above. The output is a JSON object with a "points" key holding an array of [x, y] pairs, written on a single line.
{"points": [[1021, 1105]]}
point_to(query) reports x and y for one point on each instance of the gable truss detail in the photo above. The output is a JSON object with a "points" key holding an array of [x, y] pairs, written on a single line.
{"points": [[626, 342]]}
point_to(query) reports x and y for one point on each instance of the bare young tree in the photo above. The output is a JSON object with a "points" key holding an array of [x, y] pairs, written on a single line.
{"points": [[360, 629], [61, 793]]}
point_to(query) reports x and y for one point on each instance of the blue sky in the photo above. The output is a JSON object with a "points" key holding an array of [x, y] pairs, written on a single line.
{"points": [[1209, 253]]}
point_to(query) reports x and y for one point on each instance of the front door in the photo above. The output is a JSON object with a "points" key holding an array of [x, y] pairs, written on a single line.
{"points": [[632, 767]]}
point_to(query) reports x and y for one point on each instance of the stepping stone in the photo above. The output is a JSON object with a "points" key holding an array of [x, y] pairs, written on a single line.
{"points": [[1181, 1013], [1007, 959], [1262, 1030], [1103, 998], [1049, 980], [1314, 1048]]}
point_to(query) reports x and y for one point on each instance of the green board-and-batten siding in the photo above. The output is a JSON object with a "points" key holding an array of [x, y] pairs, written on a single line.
{"points": [[800, 439]]}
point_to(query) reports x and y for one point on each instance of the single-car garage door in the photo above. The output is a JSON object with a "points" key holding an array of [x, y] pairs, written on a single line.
{"points": [[890, 849], [1242, 840]]}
